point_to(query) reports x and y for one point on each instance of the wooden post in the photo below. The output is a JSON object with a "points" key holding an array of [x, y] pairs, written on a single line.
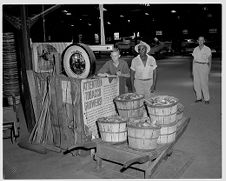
{"points": [[102, 35], [26, 64]]}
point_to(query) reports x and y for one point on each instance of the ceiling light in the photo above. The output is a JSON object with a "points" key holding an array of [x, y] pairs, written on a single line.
{"points": [[64, 11], [209, 15], [173, 11]]}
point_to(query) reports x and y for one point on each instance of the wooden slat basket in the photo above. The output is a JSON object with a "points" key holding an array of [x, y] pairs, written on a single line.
{"points": [[167, 133], [162, 109], [180, 113], [130, 105], [112, 129], [142, 135]]}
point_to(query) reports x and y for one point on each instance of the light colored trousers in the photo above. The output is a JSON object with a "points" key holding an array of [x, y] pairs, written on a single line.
{"points": [[143, 87], [201, 79]]}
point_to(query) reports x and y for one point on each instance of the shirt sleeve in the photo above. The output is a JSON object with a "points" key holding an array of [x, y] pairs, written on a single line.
{"points": [[105, 68], [132, 67], [154, 64], [209, 52], [125, 68], [193, 53]]}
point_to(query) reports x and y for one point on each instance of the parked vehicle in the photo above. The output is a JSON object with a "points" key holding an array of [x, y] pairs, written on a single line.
{"points": [[188, 45], [126, 45]]}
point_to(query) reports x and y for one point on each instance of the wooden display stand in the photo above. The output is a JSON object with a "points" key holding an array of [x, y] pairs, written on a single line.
{"points": [[74, 106]]}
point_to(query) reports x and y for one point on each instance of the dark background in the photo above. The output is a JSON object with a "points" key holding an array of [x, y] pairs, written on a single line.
{"points": [[84, 19]]}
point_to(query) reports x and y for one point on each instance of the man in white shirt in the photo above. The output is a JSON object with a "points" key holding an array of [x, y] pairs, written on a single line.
{"points": [[201, 69], [143, 71]]}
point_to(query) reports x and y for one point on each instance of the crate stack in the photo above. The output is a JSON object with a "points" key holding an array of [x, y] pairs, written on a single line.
{"points": [[11, 88]]}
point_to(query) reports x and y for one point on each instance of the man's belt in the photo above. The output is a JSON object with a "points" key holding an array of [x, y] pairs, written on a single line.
{"points": [[201, 62], [144, 79]]}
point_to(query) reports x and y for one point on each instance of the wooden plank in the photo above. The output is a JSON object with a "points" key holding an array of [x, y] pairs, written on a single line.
{"points": [[60, 110], [32, 86], [153, 167], [54, 114]]}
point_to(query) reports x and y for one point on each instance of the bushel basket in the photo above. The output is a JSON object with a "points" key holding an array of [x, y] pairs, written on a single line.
{"points": [[142, 135], [162, 109], [130, 105], [112, 129]]}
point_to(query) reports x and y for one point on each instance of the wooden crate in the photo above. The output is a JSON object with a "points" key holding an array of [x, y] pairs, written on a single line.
{"points": [[69, 119], [65, 108]]}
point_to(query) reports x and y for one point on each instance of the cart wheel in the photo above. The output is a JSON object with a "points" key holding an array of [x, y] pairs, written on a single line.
{"points": [[79, 61]]}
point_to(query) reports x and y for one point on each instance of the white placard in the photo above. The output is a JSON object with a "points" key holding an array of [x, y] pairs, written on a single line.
{"points": [[97, 100]]}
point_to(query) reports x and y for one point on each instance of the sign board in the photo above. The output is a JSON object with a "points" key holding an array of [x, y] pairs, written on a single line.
{"points": [[101, 47], [116, 36], [97, 100], [158, 32], [213, 30], [185, 31]]}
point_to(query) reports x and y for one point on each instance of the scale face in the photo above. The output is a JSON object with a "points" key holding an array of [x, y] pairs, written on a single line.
{"points": [[77, 63]]}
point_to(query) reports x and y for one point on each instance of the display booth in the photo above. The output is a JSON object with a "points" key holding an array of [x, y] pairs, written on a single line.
{"points": [[67, 99]]}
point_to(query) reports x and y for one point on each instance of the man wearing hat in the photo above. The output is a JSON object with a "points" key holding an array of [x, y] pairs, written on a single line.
{"points": [[143, 71]]}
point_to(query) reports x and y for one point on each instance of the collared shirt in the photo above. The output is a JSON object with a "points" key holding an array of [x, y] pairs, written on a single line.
{"points": [[141, 71], [201, 55], [111, 69]]}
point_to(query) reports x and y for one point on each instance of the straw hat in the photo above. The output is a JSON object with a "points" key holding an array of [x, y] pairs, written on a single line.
{"points": [[142, 43]]}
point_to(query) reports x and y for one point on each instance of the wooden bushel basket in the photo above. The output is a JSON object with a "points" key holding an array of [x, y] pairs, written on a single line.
{"points": [[180, 112], [128, 113], [131, 107], [112, 131], [129, 104], [162, 114], [167, 133], [142, 138]]}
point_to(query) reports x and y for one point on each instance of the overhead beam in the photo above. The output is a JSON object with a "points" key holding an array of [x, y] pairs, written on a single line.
{"points": [[14, 21], [42, 14]]}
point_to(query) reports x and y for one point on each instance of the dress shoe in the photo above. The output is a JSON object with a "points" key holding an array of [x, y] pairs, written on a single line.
{"points": [[207, 102], [200, 100]]}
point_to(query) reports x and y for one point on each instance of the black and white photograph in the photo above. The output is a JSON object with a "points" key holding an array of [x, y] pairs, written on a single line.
{"points": [[112, 90]]}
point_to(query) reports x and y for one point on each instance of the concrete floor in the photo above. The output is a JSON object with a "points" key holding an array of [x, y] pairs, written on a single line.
{"points": [[202, 138]]}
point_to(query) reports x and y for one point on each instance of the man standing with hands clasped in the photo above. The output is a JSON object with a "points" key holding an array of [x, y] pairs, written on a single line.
{"points": [[201, 69], [143, 71]]}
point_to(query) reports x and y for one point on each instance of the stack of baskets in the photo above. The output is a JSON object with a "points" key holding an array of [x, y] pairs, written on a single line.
{"points": [[163, 111], [11, 88], [144, 133]]}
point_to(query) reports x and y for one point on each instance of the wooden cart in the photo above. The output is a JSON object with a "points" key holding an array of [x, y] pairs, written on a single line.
{"points": [[147, 161]]}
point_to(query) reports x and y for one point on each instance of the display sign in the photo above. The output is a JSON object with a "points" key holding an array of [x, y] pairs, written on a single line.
{"points": [[97, 100], [158, 33], [108, 47], [185, 31], [213, 30], [116, 36]]}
